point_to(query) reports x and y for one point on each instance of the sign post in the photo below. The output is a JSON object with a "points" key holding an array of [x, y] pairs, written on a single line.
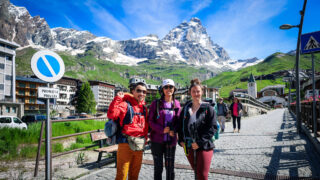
{"points": [[310, 43], [48, 66]]}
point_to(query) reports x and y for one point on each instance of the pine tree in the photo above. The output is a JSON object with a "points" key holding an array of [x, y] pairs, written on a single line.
{"points": [[86, 102]]}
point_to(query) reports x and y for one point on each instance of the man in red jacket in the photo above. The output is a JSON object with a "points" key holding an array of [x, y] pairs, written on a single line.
{"points": [[129, 160]]}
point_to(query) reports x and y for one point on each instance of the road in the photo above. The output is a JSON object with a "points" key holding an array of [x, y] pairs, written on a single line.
{"points": [[267, 146]]}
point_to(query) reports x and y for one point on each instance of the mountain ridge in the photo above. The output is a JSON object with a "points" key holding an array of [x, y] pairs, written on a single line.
{"points": [[188, 42]]}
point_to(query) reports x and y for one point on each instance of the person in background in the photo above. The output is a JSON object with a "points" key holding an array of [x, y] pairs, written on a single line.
{"points": [[236, 112], [222, 111], [198, 125], [129, 160], [163, 120]]}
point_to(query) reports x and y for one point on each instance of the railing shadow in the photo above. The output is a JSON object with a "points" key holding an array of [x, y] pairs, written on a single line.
{"points": [[292, 157]]}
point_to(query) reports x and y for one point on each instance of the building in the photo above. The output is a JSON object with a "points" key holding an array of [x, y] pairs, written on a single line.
{"points": [[273, 95], [182, 95], [252, 86], [27, 93], [7, 70], [152, 91], [211, 93], [8, 103], [65, 104], [103, 94]]}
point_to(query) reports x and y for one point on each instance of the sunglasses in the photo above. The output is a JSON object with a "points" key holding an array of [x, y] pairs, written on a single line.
{"points": [[141, 91], [168, 87]]}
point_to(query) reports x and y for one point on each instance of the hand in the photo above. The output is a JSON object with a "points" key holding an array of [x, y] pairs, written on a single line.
{"points": [[194, 146], [171, 133], [182, 144], [166, 130], [120, 94]]}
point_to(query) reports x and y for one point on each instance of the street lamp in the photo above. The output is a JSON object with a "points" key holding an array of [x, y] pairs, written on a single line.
{"points": [[288, 26]]}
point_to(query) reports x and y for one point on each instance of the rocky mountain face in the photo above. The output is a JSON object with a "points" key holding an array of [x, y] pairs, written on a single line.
{"points": [[188, 42]]}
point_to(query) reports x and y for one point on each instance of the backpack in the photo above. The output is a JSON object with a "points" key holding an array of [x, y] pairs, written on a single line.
{"points": [[112, 128]]}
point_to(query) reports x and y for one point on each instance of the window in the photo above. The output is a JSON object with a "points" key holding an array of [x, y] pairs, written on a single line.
{"points": [[21, 92], [14, 110], [5, 120], [1, 66], [9, 58], [32, 93], [32, 85], [1, 86], [7, 109], [21, 84], [32, 101], [8, 77], [16, 120]]}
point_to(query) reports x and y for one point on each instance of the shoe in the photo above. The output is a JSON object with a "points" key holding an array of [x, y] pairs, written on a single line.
{"points": [[234, 130], [238, 130]]}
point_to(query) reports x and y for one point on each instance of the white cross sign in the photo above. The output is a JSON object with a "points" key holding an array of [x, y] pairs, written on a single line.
{"points": [[47, 66]]}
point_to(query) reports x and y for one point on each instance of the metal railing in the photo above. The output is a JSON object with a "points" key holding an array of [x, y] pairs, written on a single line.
{"points": [[306, 116], [246, 98], [64, 136]]}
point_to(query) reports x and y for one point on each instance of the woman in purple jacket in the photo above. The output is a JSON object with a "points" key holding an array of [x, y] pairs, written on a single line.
{"points": [[163, 116]]}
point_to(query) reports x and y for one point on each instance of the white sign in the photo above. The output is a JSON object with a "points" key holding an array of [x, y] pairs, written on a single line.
{"points": [[48, 93], [47, 66]]}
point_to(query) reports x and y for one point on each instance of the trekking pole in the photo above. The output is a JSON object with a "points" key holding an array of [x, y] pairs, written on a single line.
{"points": [[194, 152]]}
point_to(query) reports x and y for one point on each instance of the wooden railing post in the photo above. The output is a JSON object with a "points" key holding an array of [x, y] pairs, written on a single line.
{"points": [[39, 150]]}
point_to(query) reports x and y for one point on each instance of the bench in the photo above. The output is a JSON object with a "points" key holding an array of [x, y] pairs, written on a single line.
{"points": [[103, 140], [101, 137]]}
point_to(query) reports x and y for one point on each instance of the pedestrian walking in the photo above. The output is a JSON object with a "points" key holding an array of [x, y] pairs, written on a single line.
{"points": [[163, 119], [130, 112], [236, 112], [222, 111], [197, 127]]}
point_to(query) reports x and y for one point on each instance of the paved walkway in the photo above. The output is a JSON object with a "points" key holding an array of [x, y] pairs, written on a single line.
{"points": [[267, 144]]}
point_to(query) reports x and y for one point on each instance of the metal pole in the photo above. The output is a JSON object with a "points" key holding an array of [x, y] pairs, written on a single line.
{"points": [[314, 118], [48, 143], [290, 81], [298, 104]]}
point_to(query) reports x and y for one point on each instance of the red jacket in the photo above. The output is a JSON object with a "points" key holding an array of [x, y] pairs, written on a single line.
{"points": [[118, 109]]}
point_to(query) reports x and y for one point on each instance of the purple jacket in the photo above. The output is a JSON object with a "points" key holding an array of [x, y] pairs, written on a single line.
{"points": [[157, 124]]}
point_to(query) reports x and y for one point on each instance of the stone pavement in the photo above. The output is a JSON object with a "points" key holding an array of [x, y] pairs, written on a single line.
{"points": [[267, 144]]}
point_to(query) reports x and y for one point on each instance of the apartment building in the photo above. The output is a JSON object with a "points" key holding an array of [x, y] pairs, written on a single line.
{"points": [[27, 93], [8, 105], [103, 94], [65, 104]]}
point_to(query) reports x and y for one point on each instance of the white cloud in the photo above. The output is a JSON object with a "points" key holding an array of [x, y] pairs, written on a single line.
{"points": [[243, 28], [107, 22]]}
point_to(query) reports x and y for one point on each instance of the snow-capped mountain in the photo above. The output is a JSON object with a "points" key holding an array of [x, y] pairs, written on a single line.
{"points": [[188, 42]]}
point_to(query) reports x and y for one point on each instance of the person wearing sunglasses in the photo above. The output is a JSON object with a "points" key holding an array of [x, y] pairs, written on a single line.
{"points": [[163, 116], [130, 111]]}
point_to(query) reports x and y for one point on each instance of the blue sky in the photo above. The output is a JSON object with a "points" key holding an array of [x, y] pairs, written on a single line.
{"points": [[245, 28]]}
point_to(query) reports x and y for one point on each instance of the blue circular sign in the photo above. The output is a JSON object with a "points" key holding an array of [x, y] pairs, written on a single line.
{"points": [[47, 66]]}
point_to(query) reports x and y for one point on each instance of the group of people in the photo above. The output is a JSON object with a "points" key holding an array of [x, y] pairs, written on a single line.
{"points": [[192, 127]]}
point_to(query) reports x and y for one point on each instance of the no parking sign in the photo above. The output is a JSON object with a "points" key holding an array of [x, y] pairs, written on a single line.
{"points": [[47, 66]]}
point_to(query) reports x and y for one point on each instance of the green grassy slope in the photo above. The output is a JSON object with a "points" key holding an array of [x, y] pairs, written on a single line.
{"points": [[87, 67], [276, 62]]}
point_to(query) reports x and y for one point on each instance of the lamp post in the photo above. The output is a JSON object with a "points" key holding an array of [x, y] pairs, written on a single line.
{"points": [[285, 27]]}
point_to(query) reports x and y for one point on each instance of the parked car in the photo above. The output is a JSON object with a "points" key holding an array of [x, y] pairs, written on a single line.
{"points": [[72, 117], [12, 122], [33, 118]]}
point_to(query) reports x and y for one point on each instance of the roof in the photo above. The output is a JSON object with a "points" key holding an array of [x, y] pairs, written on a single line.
{"points": [[273, 87], [13, 44], [251, 78], [28, 79]]}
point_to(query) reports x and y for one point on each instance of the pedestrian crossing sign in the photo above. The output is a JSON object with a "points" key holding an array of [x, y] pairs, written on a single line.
{"points": [[310, 42]]}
